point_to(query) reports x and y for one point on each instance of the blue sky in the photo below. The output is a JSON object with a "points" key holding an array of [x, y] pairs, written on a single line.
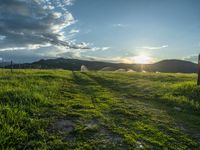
{"points": [[107, 30], [128, 25]]}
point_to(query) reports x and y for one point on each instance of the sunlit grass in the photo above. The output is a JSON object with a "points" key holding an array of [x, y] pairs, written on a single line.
{"points": [[56, 109]]}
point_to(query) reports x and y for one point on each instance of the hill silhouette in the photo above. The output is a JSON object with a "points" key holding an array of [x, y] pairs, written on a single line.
{"points": [[171, 66]]}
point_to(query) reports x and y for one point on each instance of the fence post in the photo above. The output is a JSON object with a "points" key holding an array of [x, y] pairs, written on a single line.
{"points": [[198, 81], [11, 66]]}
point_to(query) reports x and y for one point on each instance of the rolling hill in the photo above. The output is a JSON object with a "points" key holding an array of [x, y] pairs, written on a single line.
{"points": [[171, 66]]}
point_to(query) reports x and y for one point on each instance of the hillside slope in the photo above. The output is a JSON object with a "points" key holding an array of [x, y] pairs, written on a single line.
{"points": [[63, 110], [173, 66]]}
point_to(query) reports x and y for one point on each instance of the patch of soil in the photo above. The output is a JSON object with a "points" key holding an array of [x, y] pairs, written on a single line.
{"points": [[63, 125], [110, 136]]}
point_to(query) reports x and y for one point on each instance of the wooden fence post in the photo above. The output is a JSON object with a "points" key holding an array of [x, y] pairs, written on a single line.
{"points": [[11, 66], [198, 81]]}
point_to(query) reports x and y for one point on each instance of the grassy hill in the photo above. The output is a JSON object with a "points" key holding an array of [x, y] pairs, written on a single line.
{"points": [[57, 109]]}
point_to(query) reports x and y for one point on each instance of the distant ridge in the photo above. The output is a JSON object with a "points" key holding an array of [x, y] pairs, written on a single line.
{"points": [[171, 66], [174, 66]]}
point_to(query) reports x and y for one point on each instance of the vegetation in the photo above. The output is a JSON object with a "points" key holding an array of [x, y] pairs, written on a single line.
{"points": [[58, 109]]}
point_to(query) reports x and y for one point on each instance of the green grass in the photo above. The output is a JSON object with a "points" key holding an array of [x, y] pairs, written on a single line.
{"points": [[56, 109]]}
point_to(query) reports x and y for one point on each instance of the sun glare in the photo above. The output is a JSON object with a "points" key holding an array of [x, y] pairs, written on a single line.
{"points": [[142, 59]]}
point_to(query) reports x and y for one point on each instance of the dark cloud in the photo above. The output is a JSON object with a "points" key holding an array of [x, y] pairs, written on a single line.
{"points": [[34, 29], [25, 23]]}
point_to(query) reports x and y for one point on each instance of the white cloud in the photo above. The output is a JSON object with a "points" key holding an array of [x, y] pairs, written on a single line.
{"points": [[105, 48], [119, 25], [100, 48], [2, 37], [153, 48], [28, 47], [74, 31], [57, 15], [40, 23], [192, 58], [83, 45]]}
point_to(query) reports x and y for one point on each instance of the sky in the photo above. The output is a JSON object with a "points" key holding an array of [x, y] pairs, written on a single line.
{"points": [[128, 31]]}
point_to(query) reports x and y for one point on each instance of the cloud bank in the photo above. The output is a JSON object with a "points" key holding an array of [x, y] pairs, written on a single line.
{"points": [[35, 29], [35, 22]]}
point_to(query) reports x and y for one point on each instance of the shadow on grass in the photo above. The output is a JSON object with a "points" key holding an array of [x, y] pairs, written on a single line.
{"points": [[121, 120], [187, 120]]}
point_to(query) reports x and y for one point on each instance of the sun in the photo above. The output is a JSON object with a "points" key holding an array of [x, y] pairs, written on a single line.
{"points": [[142, 59]]}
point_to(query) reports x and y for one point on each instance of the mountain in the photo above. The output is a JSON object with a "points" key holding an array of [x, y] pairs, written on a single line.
{"points": [[173, 66], [70, 64]]}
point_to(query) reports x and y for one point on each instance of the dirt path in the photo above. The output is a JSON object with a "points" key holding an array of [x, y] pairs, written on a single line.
{"points": [[110, 120]]}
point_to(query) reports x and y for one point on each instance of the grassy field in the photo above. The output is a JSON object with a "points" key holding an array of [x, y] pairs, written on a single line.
{"points": [[58, 109]]}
